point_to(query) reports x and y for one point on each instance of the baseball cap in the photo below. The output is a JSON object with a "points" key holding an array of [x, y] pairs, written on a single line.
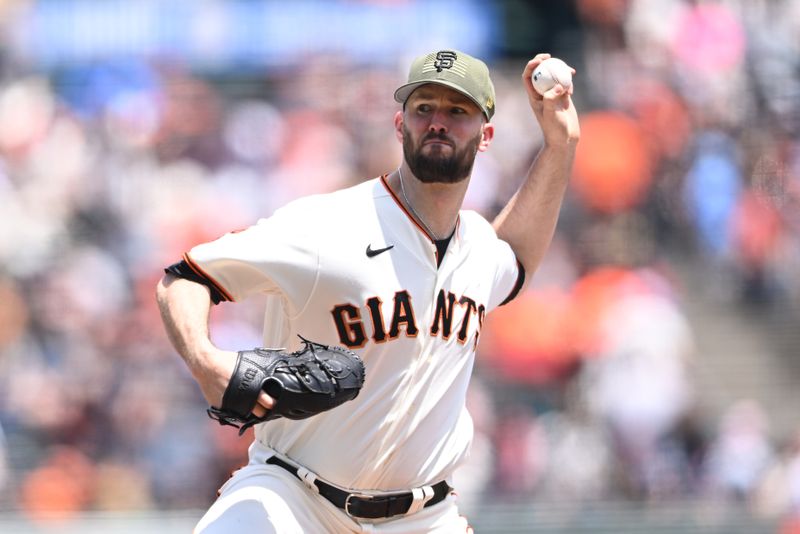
{"points": [[456, 70]]}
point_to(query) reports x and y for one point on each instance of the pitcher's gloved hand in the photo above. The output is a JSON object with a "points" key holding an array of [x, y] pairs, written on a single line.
{"points": [[303, 383]]}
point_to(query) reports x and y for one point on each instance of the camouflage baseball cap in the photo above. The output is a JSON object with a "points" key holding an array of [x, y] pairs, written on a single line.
{"points": [[453, 69]]}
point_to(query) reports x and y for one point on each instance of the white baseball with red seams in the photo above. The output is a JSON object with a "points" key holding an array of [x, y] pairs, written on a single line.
{"points": [[550, 72]]}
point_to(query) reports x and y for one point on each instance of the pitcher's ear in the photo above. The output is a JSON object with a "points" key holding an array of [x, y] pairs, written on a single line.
{"points": [[398, 125], [486, 136]]}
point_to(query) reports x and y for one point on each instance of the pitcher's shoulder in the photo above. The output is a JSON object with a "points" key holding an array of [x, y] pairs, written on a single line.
{"points": [[474, 224]]}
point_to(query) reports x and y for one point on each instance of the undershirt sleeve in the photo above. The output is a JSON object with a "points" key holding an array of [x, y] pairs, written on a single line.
{"points": [[183, 270]]}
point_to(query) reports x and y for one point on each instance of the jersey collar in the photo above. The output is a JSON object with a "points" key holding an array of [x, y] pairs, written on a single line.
{"points": [[385, 182]]}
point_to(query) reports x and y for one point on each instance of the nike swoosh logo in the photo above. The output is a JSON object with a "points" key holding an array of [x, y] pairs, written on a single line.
{"points": [[372, 253]]}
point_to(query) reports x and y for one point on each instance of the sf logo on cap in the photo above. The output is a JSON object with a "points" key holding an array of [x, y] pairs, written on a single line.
{"points": [[444, 60]]}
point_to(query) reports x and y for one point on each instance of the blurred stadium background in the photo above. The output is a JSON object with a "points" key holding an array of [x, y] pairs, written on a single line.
{"points": [[646, 382]]}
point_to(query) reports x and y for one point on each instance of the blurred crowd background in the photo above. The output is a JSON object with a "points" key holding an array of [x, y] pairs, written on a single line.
{"points": [[654, 358]]}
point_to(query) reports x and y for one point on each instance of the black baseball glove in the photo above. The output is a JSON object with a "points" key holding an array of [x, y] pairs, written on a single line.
{"points": [[303, 383]]}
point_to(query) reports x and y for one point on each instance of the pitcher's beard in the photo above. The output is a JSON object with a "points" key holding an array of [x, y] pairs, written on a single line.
{"points": [[438, 168]]}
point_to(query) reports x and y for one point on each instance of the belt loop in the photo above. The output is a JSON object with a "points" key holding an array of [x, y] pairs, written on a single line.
{"points": [[308, 478], [421, 497]]}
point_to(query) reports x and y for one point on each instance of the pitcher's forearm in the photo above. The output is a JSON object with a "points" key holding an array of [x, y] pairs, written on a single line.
{"points": [[185, 307]]}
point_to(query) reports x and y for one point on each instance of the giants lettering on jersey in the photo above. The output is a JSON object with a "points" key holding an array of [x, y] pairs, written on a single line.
{"points": [[450, 310]]}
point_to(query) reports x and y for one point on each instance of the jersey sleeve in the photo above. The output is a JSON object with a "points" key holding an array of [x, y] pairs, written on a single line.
{"points": [[276, 255], [509, 274]]}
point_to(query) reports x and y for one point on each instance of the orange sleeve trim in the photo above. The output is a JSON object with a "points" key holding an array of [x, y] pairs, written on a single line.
{"points": [[200, 272], [517, 285]]}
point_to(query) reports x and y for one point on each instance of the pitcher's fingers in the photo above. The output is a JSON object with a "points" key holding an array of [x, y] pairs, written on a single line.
{"points": [[265, 400], [532, 64], [264, 403], [557, 96]]}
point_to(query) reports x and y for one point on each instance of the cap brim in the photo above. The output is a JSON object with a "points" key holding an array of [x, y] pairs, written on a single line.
{"points": [[404, 91]]}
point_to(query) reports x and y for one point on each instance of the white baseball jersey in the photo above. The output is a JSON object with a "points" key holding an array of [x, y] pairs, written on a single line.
{"points": [[353, 268]]}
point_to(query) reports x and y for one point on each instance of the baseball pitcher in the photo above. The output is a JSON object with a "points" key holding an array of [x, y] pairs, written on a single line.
{"points": [[376, 299]]}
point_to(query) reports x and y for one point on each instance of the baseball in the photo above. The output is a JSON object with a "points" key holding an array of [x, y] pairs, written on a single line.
{"points": [[550, 72]]}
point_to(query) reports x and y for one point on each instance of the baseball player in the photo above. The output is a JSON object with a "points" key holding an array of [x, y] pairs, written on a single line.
{"points": [[395, 271]]}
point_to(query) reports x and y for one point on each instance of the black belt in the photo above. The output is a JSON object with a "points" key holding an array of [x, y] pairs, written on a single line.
{"points": [[368, 506]]}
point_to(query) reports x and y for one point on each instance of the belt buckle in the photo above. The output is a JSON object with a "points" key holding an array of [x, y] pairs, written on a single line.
{"points": [[357, 495]]}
